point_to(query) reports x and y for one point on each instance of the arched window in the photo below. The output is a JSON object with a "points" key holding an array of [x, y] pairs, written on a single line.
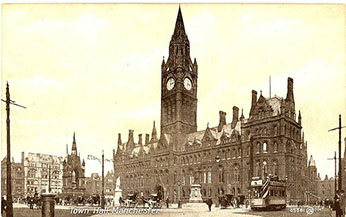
{"points": [[275, 168], [183, 178], [275, 147], [236, 174], [265, 169], [258, 147], [258, 169], [265, 147], [209, 175], [221, 175]]}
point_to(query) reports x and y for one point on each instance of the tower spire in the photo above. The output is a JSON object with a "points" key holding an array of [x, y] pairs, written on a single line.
{"points": [[179, 46]]}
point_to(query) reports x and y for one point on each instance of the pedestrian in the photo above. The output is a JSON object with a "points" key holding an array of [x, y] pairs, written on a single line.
{"points": [[3, 205], [337, 208], [167, 202], [209, 203]]}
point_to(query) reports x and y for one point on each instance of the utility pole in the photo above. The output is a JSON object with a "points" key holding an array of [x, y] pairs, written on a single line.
{"points": [[49, 178], [334, 158], [340, 166], [9, 207], [103, 181]]}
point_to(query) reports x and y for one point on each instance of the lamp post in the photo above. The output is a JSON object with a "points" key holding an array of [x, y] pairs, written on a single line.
{"points": [[103, 182], [8, 101]]}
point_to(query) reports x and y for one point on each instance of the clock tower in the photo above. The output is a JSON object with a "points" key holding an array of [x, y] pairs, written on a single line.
{"points": [[179, 85]]}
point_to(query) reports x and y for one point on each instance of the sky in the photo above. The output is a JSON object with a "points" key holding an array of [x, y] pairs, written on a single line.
{"points": [[94, 69]]}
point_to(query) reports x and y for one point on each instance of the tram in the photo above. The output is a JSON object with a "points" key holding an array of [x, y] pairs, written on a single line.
{"points": [[269, 194]]}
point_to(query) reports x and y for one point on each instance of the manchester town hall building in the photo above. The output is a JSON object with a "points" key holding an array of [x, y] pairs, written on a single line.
{"points": [[222, 159]]}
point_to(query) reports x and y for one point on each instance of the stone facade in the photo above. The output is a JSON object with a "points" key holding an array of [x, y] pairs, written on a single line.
{"points": [[326, 188], [109, 184], [93, 185], [17, 171], [74, 183], [38, 169], [222, 158]]}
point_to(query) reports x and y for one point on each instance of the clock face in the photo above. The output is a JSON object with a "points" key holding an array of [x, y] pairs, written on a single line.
{"points": [[187, 84], [170, 84]]}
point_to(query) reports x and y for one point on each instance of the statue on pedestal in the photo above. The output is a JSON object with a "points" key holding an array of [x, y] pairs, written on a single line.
{"points": [[117, 193]]}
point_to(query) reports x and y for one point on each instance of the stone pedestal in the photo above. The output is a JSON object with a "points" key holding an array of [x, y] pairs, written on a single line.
{"points": [[48, 204], [195, 196], [117, 194]]}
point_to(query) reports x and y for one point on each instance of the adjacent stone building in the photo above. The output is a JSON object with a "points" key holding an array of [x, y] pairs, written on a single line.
{"points": [[17, 171], [109, 184], [74, 183], [326, 188], [93, 185], [221, 158], [39, 169]]}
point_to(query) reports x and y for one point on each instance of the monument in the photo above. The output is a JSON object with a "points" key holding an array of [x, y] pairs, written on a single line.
{"points": [[117, 193], [195, 196]]}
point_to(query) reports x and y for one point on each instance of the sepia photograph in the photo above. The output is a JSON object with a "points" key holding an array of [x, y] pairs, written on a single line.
{"points": [[168, 109]]}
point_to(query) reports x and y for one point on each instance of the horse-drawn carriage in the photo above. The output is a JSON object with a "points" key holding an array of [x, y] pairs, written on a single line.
{"points": [[34, 202], [130, 201], [230, 200], [155, 201]]}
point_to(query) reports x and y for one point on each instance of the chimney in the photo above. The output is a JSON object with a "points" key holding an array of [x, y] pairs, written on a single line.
{"points": [[140, 139], [22, 158], [235, 116], [222, 120], [146, 138], [130, 136], [253, 100], [290, 96]]}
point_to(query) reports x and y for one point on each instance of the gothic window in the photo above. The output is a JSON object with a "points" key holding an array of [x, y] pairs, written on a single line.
{"points": [[265, 146], [239, 152], [264, 131], [221, 175], [258, 169], [205, 176], [258, 147], [275, 168], [265, 169], [236, 173], [275, 147], [183, 178], [175, 177], [209, 175]]}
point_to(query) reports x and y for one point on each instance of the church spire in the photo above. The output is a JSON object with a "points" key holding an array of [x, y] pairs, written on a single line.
{"points": [[74, 145]]}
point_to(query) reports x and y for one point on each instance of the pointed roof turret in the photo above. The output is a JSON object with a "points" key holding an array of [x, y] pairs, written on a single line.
{"points": [[74, 145], [154, 134], [242, 115], [312, 162], [299, 118]]}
